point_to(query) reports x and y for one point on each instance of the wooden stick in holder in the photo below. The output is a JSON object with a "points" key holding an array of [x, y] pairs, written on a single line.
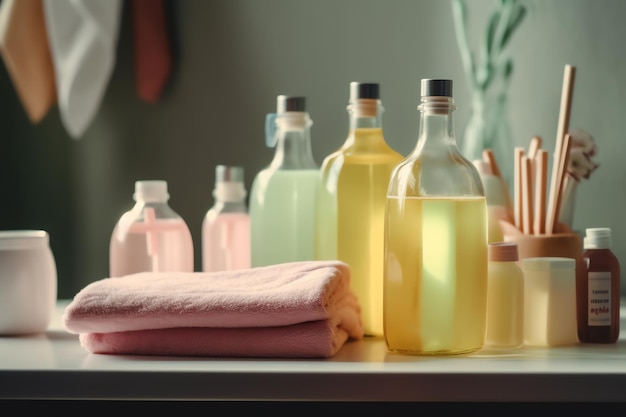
{"points": [[558, 167]]}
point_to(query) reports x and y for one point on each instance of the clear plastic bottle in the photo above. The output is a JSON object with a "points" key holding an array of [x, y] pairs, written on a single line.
{"points": [[599, 295], [505, 297], [435, 240], [283, 195], [151, 236], [351, 202], [226, 226]]}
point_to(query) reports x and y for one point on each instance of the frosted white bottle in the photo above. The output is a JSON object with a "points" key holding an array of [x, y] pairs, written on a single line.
{"points": [[151, 237], [495, 196], [505, 297], [549, 301]]}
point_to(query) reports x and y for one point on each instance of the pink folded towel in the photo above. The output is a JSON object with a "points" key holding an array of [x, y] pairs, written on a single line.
{"points": [[298, 309]]}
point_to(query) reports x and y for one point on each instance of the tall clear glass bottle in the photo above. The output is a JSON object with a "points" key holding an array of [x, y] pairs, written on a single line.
{"points": [[226, 225], [151, 237], [283, 195], [351, 202], [435, 274]]}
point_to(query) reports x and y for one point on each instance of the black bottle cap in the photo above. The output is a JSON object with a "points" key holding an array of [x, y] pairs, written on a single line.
{"points": [[289, 103], [435, 87], [364, 90]]}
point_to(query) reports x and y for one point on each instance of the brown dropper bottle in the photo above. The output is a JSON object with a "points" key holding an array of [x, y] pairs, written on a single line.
{"points": [[599, 295]]}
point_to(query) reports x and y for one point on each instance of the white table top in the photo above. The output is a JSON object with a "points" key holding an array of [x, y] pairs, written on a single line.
{"points": [[55, 366]]}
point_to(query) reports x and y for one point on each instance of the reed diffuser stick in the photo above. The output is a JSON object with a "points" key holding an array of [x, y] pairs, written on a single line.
{"points": [[562, 161], [541, 185], [527, 196], [517, 189], [558, 168]]}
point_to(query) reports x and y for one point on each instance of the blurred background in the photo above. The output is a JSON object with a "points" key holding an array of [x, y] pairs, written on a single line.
{"points": [[233, 57]]}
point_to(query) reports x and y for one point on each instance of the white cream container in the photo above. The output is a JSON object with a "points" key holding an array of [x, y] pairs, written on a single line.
{"points": [[549, 301], [28, 282]]}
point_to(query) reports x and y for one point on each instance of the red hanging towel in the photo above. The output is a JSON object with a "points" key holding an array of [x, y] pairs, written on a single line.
{"points": [[153, 56]]}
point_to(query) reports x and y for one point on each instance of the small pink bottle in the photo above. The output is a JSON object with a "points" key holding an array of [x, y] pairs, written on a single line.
{"points": [[151, 236], [226, 226]]}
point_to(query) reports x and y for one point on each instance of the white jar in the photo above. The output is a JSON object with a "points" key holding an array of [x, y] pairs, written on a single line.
{"points": [[549, 301], [28, 282]]}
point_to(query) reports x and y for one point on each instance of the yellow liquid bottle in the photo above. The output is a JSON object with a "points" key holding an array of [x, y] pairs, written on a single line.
{"points": [[351, 203], [435, 265]]}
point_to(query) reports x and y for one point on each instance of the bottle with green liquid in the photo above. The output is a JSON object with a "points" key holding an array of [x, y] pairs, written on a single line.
{"points": [[351, 202], [435, 240], [283, 195]]}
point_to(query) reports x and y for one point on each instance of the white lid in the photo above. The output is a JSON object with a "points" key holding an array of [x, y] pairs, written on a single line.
{"points": [[548, 263], [23, 239], [229, 185], [228, 173], [229, 191], [597, 238], [151, 191]]}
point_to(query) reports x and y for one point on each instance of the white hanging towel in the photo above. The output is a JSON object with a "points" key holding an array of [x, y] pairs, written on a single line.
{"points": [[83, 36]]}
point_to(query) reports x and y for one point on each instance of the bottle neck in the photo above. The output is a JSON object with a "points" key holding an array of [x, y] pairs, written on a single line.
{"points": [[222, 207], [436, 129], [598, 243], [160, 209], [365, 114], [230, 192], [293, 148]]}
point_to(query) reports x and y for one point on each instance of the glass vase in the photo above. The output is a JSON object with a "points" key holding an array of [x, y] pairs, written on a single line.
{"points": [[488, 128]]}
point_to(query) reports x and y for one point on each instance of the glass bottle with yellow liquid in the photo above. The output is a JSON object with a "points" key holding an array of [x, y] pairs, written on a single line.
{"points": [[435, 272], [351, 202]]}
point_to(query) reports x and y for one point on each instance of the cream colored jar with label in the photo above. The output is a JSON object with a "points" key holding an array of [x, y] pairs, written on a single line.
{"points": [[28, 282], [505, 297]]}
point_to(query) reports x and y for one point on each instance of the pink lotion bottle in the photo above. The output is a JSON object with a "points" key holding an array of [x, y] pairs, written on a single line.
{"points": [[226, 226], [151, 237]]}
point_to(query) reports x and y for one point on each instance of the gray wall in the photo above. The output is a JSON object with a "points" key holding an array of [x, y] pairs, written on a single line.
{"points": [[235, 56]]}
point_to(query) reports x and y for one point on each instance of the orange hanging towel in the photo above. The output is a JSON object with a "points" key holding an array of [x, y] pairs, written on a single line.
{"points": [[26, 54]]}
